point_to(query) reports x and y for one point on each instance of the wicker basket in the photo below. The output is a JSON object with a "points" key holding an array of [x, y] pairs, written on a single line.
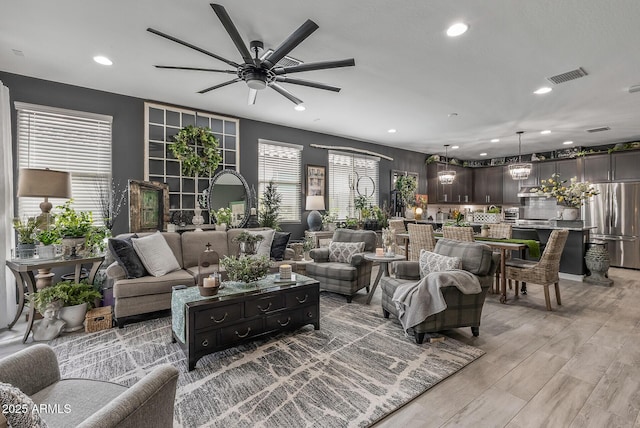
{"points": [[98, 319], [487, 218]]}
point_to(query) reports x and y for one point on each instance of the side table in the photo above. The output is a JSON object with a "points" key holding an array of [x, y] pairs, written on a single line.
{"points": [[382, 270]]}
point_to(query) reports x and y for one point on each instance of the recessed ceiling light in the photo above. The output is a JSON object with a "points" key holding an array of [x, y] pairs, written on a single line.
{"points": [[392, 131], [299, 107], [568, 142], [483, 154], [543, 90], [102, 60], [454, 114], [455, 147], [545, 132], [495, 140], [457, 29]]}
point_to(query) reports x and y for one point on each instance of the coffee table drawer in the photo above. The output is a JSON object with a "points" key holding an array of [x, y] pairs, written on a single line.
{"points": [[219, 315], [264, 305], [301, 297], [240, 331], [206, 340], [298, 317]]}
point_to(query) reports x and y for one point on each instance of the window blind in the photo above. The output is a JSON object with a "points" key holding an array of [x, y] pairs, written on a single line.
{"points": [[344, 172], [66, 140], [282, 163]]}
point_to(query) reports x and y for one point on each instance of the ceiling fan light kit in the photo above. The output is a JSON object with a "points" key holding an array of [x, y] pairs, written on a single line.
{"points": [[260, 72], [520, 170], [446, 176]]}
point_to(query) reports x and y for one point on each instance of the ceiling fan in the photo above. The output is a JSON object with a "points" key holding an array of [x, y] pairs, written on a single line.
{"points": [[261, 72]]}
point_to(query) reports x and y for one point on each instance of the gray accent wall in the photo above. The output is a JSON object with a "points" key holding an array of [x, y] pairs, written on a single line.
{"points": [[128, 137]]}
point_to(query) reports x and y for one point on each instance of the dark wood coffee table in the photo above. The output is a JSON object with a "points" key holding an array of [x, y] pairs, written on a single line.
{"points": [[241, 313]]}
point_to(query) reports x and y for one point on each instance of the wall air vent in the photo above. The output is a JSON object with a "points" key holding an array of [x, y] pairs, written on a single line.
{"points": [[602, 128], [569, 75], [287, 61]]}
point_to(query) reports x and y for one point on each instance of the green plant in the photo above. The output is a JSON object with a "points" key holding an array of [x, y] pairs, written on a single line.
{"points": [[48, 237], [246, 269], [223, 215], [381, 215], [245, 236], [494, 210], [69, 292], [457, 220], [71, 223], [351, 222], [96, 238], [308, 244], [197, 150], [572, 195], [270, 207], [406, 186], [26, 229], [330, 216]]}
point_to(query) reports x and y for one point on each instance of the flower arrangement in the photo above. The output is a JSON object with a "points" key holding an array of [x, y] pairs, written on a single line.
{"points": [[246, 269], [26, 229], [223, 215], [388, 237], [457, 219], [573, 195]]}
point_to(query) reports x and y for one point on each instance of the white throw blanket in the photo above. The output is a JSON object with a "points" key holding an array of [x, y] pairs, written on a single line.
{"points": [[416, 301]]}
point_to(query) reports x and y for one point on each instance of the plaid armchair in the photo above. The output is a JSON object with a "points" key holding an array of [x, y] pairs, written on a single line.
{"points": [[463, 310], [344, 278]]}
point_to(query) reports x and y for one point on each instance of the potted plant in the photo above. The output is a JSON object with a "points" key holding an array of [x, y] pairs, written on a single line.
{"points": [[73, 227], [329, 220], [223, 218], [247, 242], [307, 245], [406, 186], [245, 269], [48, 238], [270, 207], [25, 228]]}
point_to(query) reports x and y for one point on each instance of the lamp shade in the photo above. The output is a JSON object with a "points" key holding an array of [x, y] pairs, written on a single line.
{"points": [[315, 203], [45, 183]]}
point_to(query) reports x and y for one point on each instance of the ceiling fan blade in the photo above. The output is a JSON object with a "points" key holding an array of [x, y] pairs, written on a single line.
{"points": [[172, 67], [194, 47], [253, 93], [282, 91], [290, 42], [317, 85], [322, 65], [223, 16], [220, 85]]}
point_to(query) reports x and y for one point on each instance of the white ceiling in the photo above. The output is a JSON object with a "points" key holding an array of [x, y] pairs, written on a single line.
{"points": [[409, 75]]}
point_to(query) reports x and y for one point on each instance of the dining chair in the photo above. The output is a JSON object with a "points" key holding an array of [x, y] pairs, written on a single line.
{"points": [[500, 231], [397, 226], [543, 272], [420, 237], [458, 233]]}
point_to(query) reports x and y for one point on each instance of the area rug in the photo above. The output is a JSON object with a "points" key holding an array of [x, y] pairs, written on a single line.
{"points": [[352, 372]]}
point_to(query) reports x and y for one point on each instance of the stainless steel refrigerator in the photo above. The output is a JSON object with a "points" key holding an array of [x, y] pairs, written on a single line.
{"points": [[616, 215]]}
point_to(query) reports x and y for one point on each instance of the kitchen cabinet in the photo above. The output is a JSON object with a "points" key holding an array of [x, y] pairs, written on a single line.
{"points": [[510, 188], [545, 170], [624, 166], [487, 185], [568, 168], [595, 168], [458, 192]]}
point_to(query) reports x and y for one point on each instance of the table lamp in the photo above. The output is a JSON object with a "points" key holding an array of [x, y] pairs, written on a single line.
{"points": [[44, 183], [314, 220]]}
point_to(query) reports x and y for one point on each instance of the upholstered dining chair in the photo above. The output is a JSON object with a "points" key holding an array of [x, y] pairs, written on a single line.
{"points": [[420, 238], [500, 231], [458, 233], [397, 226], [543, 272]]}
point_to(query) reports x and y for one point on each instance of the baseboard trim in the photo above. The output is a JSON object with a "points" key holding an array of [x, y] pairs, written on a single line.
{"points": [[571, 277]]}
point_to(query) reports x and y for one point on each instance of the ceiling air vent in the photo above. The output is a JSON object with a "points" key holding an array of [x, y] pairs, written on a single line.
{"points": [[602, 128], [287, 61], [569, 75]]}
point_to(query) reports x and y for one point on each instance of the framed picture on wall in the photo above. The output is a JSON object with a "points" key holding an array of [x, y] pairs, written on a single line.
{"points": [[148, 206], [316, 180]]}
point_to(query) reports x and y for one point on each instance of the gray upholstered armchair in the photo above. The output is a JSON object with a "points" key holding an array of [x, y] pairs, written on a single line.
{"points": [[463, 310], [90, 403], [340, 277]]}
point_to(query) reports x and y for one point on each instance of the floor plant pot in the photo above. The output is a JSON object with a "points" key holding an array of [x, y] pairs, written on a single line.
{"points": [[73, 316]]}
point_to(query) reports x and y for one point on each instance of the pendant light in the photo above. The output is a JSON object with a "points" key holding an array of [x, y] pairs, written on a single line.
{"points": [[446, 176], [520, 170]]}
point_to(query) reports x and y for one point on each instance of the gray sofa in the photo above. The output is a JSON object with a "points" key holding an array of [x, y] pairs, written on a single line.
{"points": [[90, 403], [463, 310], [150, 294]]}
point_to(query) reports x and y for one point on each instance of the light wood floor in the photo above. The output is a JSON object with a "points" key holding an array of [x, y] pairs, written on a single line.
{"points": [[577, 366]]}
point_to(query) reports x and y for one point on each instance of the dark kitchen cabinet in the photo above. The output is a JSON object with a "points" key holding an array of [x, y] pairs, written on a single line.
{"points": [[487, 185], [510, 188], [545, 170], [625, 166], [595, 168], [458, 192], [568, 168]]}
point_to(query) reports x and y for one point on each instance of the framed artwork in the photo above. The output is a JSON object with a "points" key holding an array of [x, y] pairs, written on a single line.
{"points": [[316, 180], [148, 206]]}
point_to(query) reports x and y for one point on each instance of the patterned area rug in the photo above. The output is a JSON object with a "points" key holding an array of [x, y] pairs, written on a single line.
{"points": [[356, 369]]}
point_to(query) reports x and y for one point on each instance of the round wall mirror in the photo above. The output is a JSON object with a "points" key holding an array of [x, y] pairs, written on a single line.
{"points": [[229, 189]]}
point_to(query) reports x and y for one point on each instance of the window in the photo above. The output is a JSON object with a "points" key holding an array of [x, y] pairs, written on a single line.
{"points": [[282, 163], [162, 124], [66, 140], [351, 175]]}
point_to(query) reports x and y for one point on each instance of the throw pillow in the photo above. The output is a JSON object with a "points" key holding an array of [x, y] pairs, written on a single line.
{"points": [[434, 262], [155, 254], [263, 248], [342, 252], [126, 256], [279, 245], [18, 408]]}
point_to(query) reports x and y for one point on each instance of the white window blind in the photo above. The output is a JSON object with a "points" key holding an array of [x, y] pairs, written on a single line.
{"points": [[66, 140], [344, 172], [282, 163]]}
